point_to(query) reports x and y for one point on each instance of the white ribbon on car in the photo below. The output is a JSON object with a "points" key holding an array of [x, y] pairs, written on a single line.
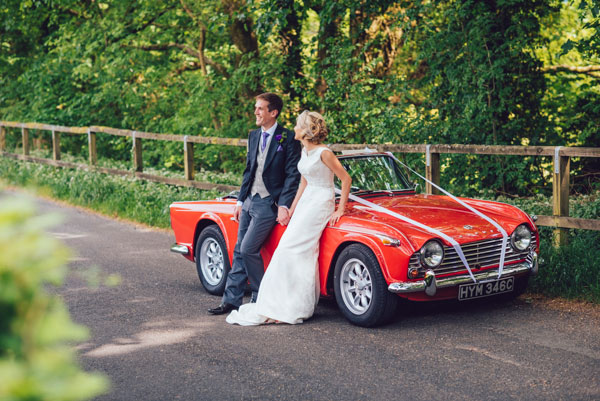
{"points": [[471, 208], [557, 159], [380, 209], [89, 135], [431, 230]]}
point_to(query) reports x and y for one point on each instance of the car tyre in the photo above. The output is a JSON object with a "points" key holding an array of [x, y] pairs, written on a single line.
{"points": [[212, 260], [360, 289]]}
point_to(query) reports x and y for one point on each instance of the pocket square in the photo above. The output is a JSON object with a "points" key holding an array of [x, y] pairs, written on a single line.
{"points": [[279, 148]]}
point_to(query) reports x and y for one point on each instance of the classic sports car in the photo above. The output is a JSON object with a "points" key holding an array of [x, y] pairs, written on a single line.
{"points": [[391, 243]]}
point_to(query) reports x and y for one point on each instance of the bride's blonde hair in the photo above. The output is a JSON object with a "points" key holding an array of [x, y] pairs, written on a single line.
{"points": [[312, 126]]}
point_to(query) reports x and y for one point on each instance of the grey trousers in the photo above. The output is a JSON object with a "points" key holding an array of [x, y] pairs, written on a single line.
{"points": [[257, 219]]}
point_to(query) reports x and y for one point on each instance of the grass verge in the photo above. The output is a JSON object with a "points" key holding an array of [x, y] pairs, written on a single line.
{"points": [[125, 197]]}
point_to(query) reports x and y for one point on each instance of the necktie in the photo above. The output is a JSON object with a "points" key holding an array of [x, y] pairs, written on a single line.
{"points": [[265, 135]]}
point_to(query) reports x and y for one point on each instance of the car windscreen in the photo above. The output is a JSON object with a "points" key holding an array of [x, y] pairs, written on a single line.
{"points": [[375, 173]]}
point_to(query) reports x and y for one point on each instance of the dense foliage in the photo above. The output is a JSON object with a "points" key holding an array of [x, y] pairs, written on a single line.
{"points": [[559, 275], [36, 360], [482, 72]]}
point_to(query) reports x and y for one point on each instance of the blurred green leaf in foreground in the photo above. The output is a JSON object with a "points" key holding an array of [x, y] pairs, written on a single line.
{"points": [[37, 361]]}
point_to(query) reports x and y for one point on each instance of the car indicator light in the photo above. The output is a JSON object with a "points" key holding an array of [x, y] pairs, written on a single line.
{"points": [[413, 272], [389, 241]]}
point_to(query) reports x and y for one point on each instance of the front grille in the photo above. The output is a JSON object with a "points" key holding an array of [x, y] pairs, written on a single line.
{"points": [[478, 254]]}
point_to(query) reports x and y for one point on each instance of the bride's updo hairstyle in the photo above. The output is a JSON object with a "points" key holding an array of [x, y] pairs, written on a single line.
{"points": [[312, 125]]}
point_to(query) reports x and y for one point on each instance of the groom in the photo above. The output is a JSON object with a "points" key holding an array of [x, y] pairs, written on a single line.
{"points": [[268, 189]]}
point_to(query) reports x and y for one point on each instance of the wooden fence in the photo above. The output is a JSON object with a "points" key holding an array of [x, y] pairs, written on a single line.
{"points": [[561, 167]]}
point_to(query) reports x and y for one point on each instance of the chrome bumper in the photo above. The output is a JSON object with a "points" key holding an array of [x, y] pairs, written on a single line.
{"points": [[181, 249], [430, 283]]}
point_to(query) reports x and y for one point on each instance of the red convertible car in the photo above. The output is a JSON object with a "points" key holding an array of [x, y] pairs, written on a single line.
{"points": [[391, 243]]}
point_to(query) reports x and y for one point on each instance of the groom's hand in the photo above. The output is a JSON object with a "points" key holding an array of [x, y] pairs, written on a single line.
{"points": [[236, 213], [283, 216]]}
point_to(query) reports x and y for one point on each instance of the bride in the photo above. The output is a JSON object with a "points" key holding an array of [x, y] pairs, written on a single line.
{"points": [[289, 290]]}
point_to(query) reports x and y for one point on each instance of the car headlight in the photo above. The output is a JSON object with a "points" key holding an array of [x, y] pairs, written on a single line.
{"points": [[521, 238], [432, 253]]}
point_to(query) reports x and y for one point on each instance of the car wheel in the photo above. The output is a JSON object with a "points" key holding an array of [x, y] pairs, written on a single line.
{"points": [[212, 261], [360, 288]]}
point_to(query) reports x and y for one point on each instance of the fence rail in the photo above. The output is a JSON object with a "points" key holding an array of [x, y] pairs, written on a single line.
{"points": [[560, 179]]}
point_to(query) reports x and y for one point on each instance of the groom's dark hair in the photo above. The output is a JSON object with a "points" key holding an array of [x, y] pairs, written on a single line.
{"points": [[275, 102]]}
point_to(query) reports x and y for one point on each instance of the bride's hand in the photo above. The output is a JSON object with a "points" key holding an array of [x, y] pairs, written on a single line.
{"points": [[283, 216], [336, 216]]}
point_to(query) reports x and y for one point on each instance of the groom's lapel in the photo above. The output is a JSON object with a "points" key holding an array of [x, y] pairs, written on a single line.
{"points": [[273, 146], [253, 144]]}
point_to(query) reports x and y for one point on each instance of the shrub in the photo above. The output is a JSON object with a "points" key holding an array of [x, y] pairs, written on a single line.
{"points": [[572, 270], [35, 361]]}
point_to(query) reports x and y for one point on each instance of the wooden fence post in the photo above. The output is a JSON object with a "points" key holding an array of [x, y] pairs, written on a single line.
{"points": [[560, 195], [188, 158], [432, 171], [92, 155], [138, 164], [2, 138], [55, 145], [25, 136]]}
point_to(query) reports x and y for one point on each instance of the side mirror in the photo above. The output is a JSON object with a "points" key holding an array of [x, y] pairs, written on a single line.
{"points": [[231, 195]]}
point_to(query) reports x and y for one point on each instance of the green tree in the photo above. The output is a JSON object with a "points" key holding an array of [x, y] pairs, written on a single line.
{"points": [[482, 84], [484, 72], [572, 70]]}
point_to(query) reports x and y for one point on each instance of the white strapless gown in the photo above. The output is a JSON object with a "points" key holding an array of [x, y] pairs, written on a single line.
{"points": [[289, 290]]}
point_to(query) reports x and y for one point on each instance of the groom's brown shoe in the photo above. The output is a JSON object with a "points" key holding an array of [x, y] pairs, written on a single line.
{"points": [[222, 309]]}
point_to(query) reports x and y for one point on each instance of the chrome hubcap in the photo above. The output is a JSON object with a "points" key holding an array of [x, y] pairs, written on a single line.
{"points": [[211, 261], [356, 286]]}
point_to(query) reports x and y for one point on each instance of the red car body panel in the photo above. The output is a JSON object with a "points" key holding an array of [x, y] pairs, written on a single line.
{"points": [[365, 226]]}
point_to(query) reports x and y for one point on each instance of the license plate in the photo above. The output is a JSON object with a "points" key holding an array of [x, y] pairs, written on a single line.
{"points": [[480, 290]]}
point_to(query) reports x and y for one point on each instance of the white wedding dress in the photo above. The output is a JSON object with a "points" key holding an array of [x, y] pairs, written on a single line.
{"points": [[289, 290]]}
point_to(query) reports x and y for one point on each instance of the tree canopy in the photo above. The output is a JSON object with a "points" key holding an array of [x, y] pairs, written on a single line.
{"points": [[512, 72]]}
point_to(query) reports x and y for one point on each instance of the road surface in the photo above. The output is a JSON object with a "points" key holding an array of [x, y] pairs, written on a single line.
{"points": [[152, 337]]}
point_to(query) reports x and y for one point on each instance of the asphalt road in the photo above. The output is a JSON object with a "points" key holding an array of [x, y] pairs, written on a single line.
{"points": [[152, 337]]}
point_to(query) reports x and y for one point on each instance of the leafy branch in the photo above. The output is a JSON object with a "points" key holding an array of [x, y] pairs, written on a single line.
{"points": [[186, 49], [591, 70]]}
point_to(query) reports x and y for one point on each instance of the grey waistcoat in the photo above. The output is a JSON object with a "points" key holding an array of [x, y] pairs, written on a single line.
{"points": [[258, 186]]}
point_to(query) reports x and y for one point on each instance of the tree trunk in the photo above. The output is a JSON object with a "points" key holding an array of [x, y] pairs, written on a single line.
{"points": [[243, 37], [292, 48], [329, 31]]}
